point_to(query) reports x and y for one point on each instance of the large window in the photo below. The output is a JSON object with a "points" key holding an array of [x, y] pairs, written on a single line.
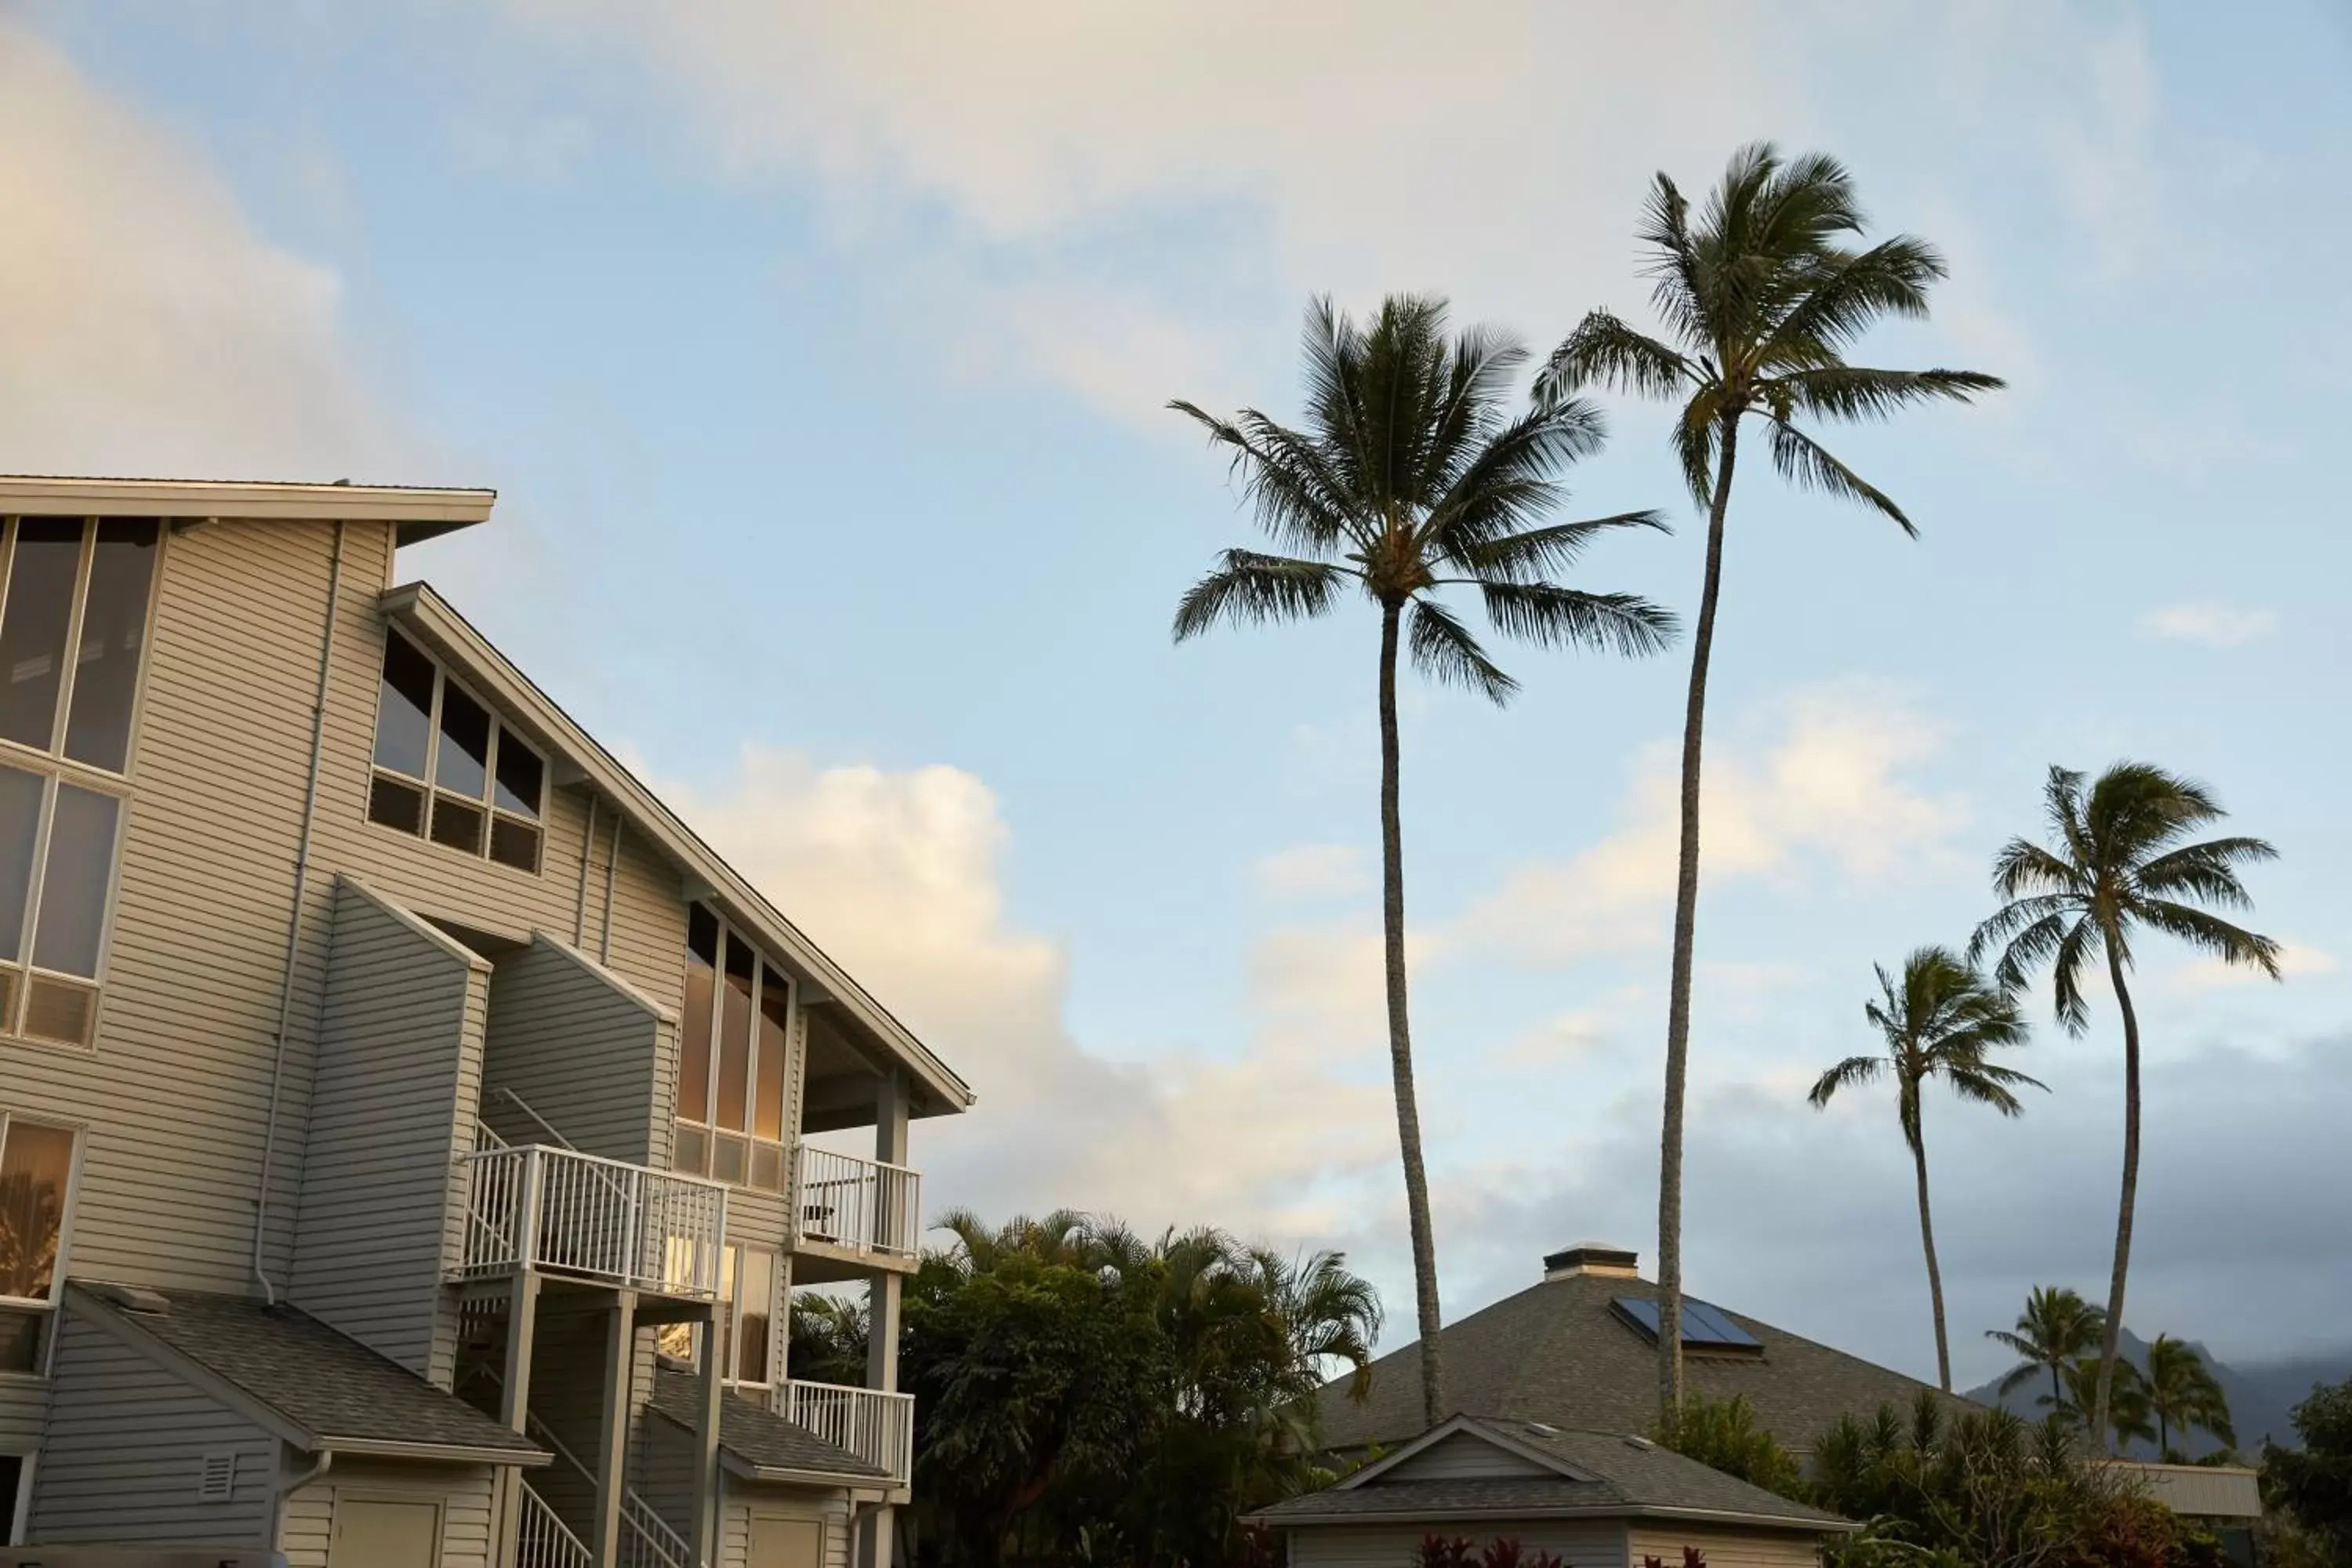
{"points": [[747, 1309], [36, 1164], [734, 1058], [447, 770]]}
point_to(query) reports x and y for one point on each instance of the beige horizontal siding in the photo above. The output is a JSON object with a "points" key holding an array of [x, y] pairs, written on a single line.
{"points": [[466, 1493], [1461, 1456], [125, 1445], [1725, 1548], [1578, 1544], [23, 1411]]}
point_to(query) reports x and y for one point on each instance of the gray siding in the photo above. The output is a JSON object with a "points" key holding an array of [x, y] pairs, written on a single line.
{"points": [[1577, 1542], [465, 1494], [1462, 1455], [582, 1047], [399, 1069], [1725, 1548], [125, 1445], [23, 1411]]}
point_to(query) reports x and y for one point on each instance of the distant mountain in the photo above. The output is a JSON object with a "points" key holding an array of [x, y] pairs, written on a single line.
{"points": [[2261, 1396]]}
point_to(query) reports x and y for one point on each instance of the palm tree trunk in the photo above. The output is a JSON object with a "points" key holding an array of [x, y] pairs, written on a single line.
{"points": [[1678, 1000], [1416, 1178], [2115, 1324], [1935, 1275]]}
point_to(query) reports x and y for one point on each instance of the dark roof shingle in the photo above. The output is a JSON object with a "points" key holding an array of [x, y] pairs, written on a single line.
{"points": [[1557, 1353], [760, 1437], [314, 1376]]}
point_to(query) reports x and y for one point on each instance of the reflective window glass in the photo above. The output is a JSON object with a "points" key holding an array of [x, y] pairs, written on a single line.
{"points": [[404, 714], [72, 919], [20, 830], [755, 1281], [775, 1036], [735, 1035], [35, 1166], [33, 625], [520, 775], [113, 627], [694, 1029], [464, 761]]}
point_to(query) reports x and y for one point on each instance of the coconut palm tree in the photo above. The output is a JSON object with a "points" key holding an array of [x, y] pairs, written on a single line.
{"points": [[1762, 298], [2130, 1415], [1939, 1022], [2056, 1329], [2118, 863], [2184, 1395], [1407, 478]]}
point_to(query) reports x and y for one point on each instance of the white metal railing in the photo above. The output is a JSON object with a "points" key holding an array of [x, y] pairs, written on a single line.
{"points": [[538, 1207], [648, 1540], [861, 1204], [544, 1541], [877, 1427]]}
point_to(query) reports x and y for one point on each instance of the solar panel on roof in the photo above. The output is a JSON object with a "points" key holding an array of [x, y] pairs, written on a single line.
{"points": [[1703, 1325]]}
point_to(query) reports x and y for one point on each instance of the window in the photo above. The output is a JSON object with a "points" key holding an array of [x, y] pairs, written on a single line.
{"points": [[734, 1058], [748, 1308], [82, 584], [37, 1166], [447, 770], [57, 840]]}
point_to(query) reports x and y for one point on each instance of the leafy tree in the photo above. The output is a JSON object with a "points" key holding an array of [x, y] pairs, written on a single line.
{"points": [[2118, 863], [1762, 298], [825, 1339], [2313, 1484], [1409, 476], [1938, 1023], [2056, 1329], [1724, 1435], [2184, 1395]]}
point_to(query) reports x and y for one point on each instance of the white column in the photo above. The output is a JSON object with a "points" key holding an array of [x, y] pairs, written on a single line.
{"points": [[882, 1303], [514, 1401], [613, 1435]]}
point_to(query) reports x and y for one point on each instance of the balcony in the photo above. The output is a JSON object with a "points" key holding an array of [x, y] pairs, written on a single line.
{"points": [[605, 1221], [857, 1210], [877, 1427]]}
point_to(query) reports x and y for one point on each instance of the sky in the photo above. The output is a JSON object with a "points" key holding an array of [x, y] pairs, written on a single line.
{"points": [[820, 356]]}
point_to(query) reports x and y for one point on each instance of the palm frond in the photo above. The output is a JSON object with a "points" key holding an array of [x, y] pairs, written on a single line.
{"points": [[1806, 463], [1248, 588], [2207, 871], [1443, 648], [1851, 1073], [1847, 393], [2212, 934], [1552, 617], [2024, 870], [1533, 554], [1287, 480], [1850, 292], [1604, 352]]}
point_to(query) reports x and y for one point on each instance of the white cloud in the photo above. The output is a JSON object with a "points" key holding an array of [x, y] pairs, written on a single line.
{"points": [[2215, 626], [2295, 960], [899, 876], [147, 329], [1830, 784], [1314, 871]]}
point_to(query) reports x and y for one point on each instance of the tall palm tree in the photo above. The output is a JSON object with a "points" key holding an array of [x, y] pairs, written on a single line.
{"points": [[2056, 1329], [1939, 1022], [2184, 1395], [2117, 863], [1407, 478], [1762, 298]]}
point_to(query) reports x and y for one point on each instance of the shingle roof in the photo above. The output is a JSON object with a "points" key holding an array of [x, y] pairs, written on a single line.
{"points": [[314, 1377], [1556, 1353], [760, 1437], [1629, 1476]]}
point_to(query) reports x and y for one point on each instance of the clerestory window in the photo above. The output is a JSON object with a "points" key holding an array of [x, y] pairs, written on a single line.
{"points": [[448, 769], [734, 1058]]}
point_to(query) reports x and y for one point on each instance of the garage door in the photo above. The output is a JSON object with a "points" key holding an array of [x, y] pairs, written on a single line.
{"points": [[783, 1543], [370, 1534]]}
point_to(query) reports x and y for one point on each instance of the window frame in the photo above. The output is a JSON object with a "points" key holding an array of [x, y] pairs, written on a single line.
{"points": [[427, 785], [62, 719], [55, 774], [707, 1124], [69, 1208]]}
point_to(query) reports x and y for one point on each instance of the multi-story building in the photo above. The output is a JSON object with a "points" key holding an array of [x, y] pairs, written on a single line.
{"points": [[403, 1116]]}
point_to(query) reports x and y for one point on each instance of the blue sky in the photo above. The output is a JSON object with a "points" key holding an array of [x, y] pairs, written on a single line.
{"points": [[818, 354]]}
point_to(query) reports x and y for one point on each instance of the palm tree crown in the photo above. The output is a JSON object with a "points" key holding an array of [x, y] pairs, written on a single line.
{"points": [[2184, 1395], [1939, 1022], [2057, 1329], [1762, 297], [1407, 478]]}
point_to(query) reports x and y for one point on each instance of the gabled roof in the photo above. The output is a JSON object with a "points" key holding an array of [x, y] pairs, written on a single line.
{"points": [[1558, 1354], [423, 614], [295, 1376], [757, 1442], [418, 511], [1562, 1474]]}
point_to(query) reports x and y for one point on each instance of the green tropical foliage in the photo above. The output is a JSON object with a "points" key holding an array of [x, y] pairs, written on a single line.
{"points": [[1411, 477], [1763, 294], [2184, 1395], [2056, 1329], [1083, 1394], [2311, 1487], [2120, 861], [1723, 1434], [1938, 1023]]}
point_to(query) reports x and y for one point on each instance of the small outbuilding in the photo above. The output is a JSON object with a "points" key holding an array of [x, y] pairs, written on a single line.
{"points": [[1593, 1499]]}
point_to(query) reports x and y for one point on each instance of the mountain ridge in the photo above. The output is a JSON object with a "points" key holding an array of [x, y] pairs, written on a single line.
{"points": [[2262, 1396]]}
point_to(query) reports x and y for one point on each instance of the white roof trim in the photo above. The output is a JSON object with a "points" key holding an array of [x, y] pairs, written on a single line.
{"points": [[220, 498], [424, 613], [1487, 1431]]}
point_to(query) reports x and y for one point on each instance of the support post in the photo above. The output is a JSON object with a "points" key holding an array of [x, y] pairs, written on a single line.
{"points": [[708, 1391], [514, 1402], [613, 1433], [882, 1317]]}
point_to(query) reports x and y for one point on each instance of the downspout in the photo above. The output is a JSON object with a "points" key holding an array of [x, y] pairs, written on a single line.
{"points": [[580, 903], [294, 916], [612, 864]]}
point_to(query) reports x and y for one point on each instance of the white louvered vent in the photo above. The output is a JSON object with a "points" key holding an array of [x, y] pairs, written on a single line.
{"points": [[216, 1480]]}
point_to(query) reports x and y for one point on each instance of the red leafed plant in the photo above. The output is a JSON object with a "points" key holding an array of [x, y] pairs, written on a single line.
{"points": [[1437, 1552]]}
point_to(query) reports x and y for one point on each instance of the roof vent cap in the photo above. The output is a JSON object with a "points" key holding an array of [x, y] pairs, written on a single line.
{"points": [[1592, 1258], [130, 1297], [1543, 1429], [1643, 1444]]}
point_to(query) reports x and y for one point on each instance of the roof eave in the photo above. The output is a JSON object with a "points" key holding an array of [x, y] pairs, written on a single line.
{"points": [[424, 613], [437, 1453], [1580, 1510], [419, 512]]}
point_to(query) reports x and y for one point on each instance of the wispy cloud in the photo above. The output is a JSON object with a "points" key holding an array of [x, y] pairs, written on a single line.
{"points": [[2294, 960], [2215, 626]]}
